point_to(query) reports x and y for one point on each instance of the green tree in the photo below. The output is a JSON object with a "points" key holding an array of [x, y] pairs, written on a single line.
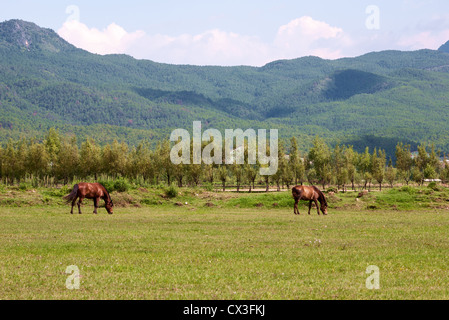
{"points": [[430, 172], [53, 144], [1, 163], [320, 157], [14, 161], [20, 165], [37, 160], [251, 175], [365, 166], [238, 172], [114, 159], [417, 176], [378, 166], [391, 174], [296, 164], [434, 161], [223, 175], [422, 159], [166, 165], [67, 161], [285, 173], [90, 159], [9, 162], [404, 161], [339, 166], [179, 173], [445, 172], [350, 164], [194, 171], [209, 173]]}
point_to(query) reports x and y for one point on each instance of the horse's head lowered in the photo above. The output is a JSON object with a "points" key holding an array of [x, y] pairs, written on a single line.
{"points": [[323, 208], [109, 205]]}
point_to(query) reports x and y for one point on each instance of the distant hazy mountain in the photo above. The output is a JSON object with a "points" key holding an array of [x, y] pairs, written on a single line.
{"points": [[373, 100], [444, 47]]}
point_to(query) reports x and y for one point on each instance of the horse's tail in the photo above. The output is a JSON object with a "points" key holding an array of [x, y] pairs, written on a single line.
{"points": [[321, 196], [72, 194]]}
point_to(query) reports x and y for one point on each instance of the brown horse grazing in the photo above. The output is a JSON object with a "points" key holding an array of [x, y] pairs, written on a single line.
{"points": [[312, 194], [93, 191]]}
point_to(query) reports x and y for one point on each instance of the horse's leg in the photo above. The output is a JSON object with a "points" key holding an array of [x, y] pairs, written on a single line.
{"points": [[95, 205], [297, 199], [79, 205], [73, 204], [310, 206], [317, 207]]}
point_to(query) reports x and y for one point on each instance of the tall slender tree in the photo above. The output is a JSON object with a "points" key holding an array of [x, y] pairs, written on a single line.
{"points": [[37, 160], [90, 159], [404, 161], [319, 156]]}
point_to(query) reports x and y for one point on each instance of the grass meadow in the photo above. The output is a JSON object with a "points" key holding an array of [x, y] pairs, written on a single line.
{"points": [[232, 247]]}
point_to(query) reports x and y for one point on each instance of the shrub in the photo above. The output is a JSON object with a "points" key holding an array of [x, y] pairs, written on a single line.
{"points": [[23, 186], [171, 191], [332, 189], [121, 185], [209, 187], [434, 186], [109, 185], [408, 190]]}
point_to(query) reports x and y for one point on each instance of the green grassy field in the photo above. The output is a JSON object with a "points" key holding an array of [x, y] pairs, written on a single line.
{"points": [[223, 252]]}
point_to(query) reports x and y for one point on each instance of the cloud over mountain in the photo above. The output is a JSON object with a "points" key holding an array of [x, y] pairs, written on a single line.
{"points": [[112, 39], [300, 37]]}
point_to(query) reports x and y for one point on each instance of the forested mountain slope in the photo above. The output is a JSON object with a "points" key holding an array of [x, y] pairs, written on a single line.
{"points": [[373, 100]]}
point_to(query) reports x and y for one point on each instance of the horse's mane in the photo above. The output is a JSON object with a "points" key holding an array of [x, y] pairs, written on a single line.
{"points": [[107, 193], [321, 196]]}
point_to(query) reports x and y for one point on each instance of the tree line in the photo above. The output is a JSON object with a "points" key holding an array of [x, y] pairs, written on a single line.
{"points": [[58, 159]]}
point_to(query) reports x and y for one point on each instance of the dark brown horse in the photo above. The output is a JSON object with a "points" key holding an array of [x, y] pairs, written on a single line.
{"points": [[93, 191], [312, 194]]}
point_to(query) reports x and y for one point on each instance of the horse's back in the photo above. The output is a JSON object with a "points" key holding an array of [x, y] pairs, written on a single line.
{"points": [[306, 192], [91, 189]]}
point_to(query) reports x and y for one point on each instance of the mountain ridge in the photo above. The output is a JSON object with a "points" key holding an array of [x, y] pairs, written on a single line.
{"points": [[29, 36]]}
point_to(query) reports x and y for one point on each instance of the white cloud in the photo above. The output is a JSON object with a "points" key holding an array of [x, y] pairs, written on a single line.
{"points": [[306, 36], [208, 48], [429, 38], [300, 37], [310, 28], [428, 34], [113, 39]]}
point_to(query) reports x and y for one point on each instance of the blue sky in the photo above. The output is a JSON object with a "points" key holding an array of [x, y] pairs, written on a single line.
{"points": [[243, 32]]}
